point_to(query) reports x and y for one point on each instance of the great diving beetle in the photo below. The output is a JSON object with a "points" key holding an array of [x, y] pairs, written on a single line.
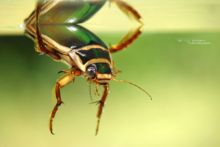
{"points": [[54, 26]]}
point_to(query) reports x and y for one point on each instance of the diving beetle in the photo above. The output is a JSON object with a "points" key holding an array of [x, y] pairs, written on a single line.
{"points": [[55, 27]]}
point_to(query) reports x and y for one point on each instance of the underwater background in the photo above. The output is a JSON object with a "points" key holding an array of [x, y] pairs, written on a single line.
{"points": [[176, 59]]}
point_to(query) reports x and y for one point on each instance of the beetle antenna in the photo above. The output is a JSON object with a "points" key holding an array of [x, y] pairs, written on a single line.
{"points": [[140, 88], [97, 90]]}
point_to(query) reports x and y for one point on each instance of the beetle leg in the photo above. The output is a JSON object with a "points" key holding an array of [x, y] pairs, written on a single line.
{"points": [[132, 35], [127, 9], [126, 40], [41, 46], [63, 81], [101, 106]]}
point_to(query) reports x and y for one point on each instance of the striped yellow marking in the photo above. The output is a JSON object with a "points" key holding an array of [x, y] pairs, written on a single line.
{"points": [[92, 47], [104, 76], [100, 60]]}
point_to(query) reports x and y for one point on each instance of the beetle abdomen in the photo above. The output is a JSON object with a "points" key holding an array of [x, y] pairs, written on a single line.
{"points": [[93, 53], [71, 37], [76, 41]]}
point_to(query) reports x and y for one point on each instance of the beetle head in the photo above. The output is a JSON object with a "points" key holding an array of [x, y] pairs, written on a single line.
{"points": [[99, 73]]}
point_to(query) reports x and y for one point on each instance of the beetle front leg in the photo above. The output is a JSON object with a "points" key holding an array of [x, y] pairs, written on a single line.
{"points": [[127, 9], [66, 79], [101, 106]]}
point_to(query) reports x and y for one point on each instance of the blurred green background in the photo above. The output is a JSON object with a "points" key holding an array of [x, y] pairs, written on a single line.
{"points": [[179, 67]]}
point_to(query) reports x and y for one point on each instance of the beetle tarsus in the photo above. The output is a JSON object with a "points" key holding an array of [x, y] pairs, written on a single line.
{"points": [[97, 127], [53, 115]]}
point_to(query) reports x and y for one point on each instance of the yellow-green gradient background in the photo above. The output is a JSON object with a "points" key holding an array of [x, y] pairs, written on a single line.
{"points": [[176, 59], [158, 15]]}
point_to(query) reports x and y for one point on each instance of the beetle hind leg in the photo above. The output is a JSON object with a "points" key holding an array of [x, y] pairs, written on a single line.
{"points": [[127, 9], [133, 34], [41, 47], [66, 79], [128, 39]]}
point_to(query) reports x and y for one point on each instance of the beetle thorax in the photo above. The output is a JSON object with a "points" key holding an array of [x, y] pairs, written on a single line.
{"points": [[94, 61]]}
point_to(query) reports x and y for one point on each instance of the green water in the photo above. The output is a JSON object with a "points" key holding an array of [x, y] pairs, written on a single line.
{"points": [[180, 70]]}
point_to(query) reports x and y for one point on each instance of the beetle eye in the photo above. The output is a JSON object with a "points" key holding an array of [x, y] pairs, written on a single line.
{"points": [[91, 70]]}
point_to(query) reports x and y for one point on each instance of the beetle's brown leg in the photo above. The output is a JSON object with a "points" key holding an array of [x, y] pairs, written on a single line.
{"points": [[41, 47], [127, 9], [101, 106], [126, 40], [63, 81], [132, 35]]}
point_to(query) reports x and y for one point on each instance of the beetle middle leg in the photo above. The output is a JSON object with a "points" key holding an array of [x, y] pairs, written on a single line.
{"points": [[63, 81], [101, 106]]}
